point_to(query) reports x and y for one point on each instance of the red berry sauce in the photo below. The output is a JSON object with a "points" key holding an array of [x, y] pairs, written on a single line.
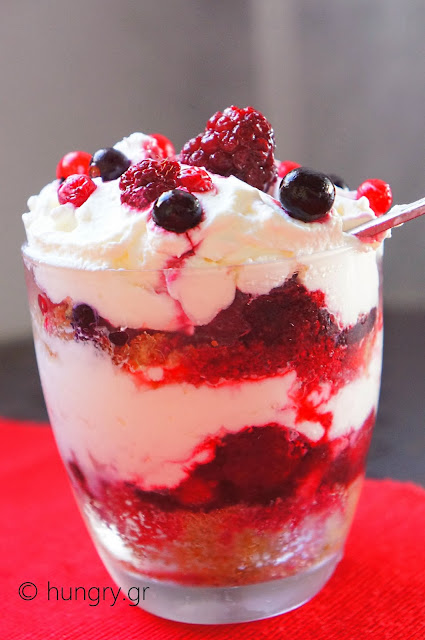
{"points": [[255, 337], [262, 481]]}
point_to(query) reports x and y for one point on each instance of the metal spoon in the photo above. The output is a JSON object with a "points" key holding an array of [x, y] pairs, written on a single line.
{"points": [[399, 214]]}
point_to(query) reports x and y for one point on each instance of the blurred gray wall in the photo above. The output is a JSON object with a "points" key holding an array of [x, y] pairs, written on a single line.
{"points": [[342, 83]]}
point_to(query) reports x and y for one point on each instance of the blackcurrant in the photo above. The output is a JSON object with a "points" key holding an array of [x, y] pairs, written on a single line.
{"points": [[83, 316], [108, 164], [338, 181], [177, 211], [306, 194]]}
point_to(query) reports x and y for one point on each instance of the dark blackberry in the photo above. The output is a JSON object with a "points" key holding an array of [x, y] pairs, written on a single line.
{"points": [[237, 142]]}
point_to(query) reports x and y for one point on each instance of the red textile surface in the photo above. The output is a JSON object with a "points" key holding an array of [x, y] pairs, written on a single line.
{"points": [[377, 591]]}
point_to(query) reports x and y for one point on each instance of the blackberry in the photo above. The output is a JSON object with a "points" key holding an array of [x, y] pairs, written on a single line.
{"points": [[237, 142]]}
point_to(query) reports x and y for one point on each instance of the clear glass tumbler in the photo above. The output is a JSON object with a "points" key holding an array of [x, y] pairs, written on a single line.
{"points": [[217, 465]]}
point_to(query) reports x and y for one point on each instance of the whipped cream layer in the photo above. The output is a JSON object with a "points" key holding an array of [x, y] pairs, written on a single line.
{"points": [[242, 230], [152, 435]]}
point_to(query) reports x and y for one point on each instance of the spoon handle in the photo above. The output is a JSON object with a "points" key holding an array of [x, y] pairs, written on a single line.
{"points": [[399, 214]]}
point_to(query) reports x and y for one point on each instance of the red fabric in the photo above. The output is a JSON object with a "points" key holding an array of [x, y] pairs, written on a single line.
{"points": [[377, 591]]}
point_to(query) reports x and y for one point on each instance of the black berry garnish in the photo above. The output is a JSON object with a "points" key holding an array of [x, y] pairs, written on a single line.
{"points": [[338, 181], [177, 211], [237, 142], [43, 304], [108, 164], [306, 194], [83, 317]]}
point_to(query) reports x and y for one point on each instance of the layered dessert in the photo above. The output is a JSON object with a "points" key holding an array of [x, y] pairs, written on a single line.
{"points": [[208, 335]]}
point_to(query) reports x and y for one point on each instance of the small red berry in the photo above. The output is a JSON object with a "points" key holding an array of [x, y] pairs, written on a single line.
{"points": [[195, 179], [166, 146], [285, 167], [378, 193], [76, 189], [72, 163]]}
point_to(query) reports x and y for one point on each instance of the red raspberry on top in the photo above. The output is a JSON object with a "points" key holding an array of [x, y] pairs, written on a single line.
{"points": [[237, 142], [195, 179], [76, 189], [145, 181]]}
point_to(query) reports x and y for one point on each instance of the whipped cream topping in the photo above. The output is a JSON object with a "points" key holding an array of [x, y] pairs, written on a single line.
{"points": [[242, 229]]}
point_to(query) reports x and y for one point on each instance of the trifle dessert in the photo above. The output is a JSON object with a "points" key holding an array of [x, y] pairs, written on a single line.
{"points": [[208, 334]]}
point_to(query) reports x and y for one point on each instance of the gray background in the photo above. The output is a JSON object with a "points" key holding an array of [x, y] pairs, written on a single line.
{"points": [[342, 83]]}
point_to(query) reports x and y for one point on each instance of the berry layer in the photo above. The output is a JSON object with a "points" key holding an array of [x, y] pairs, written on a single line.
{"points": [[269, 504], [170, 393], [240, 544]]}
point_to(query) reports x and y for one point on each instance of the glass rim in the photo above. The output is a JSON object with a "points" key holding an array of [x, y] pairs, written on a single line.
{"points": [[215, 266]]}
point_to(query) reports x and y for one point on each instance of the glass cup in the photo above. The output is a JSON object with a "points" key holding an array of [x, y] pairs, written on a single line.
{"points": [[217, 464]]}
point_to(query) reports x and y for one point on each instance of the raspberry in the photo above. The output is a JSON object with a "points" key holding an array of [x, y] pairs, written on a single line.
{"points": [[285, 167], [145, 181], [76, 189], [165, 145], [237, 142], [72, 163], [195, 179], [378, 193]]}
